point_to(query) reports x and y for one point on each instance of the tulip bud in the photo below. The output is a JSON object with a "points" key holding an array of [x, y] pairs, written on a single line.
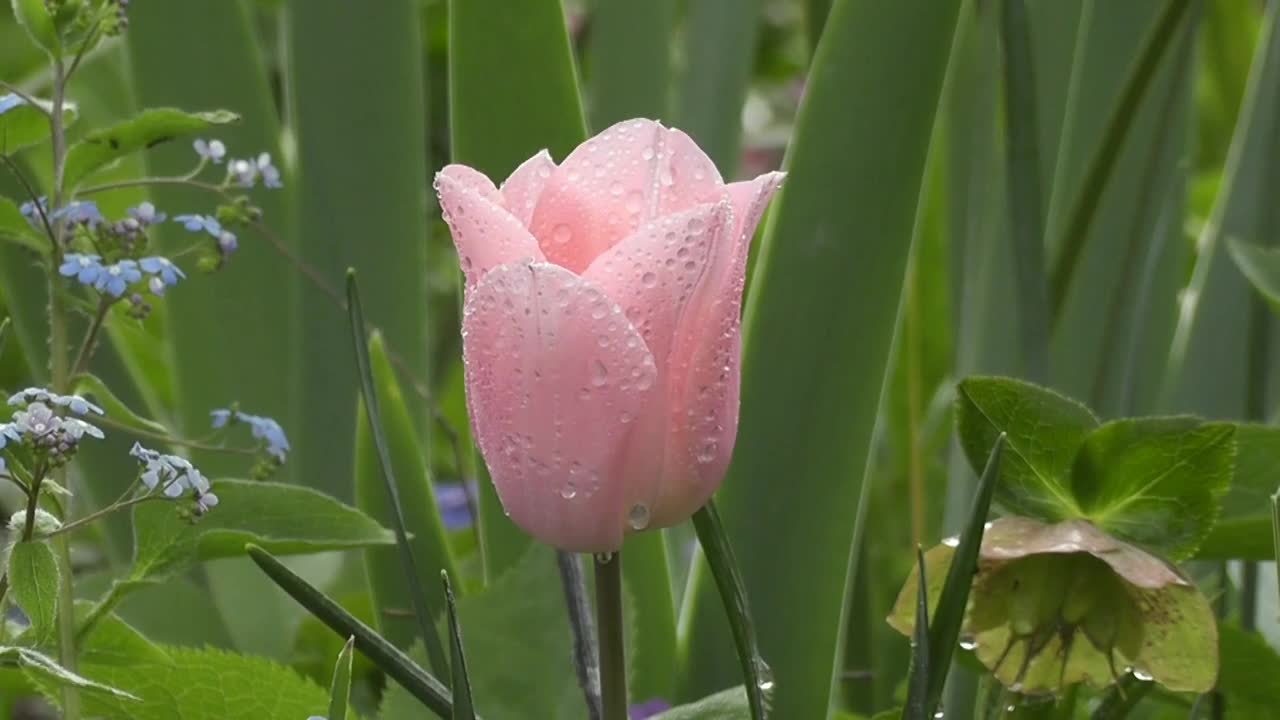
{"points": [[601, 329]]}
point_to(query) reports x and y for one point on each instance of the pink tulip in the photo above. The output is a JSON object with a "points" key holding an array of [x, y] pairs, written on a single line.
{"points": [[601, 330]]}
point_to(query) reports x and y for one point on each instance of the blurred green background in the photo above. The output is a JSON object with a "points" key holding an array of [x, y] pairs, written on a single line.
{"points": [[901, 257]]}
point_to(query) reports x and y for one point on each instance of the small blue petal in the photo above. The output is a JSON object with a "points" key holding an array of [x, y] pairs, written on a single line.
{"points": [[9, 102], [220, 418], [648, 709]]}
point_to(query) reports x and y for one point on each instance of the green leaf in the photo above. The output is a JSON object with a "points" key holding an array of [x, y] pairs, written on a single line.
{"points": [[286, 519], [207, 684], [526, 602], [26, 124], [397, 665], [115, 408], [422, 609], [33, 575], [1025, 201], [391, 590], [142, 132], [728, 704], [13, 226], [35, 18], [720, 38], [463, 707], [1155, 481], [1044, 431], [646, 576], [398, 703], [46, 669], [1250, 667], [393, 121], [114, 642], [733, 594], [629, 60], [4, 333], [1261, 265], [1243, 529], [818, 392], [919, 678], [340, 689]]}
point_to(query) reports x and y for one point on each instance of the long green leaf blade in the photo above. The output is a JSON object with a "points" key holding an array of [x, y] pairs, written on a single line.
{"points": [[815, 249], [389, 588], [361, 169], [463, 708], [630, 60], [368, 392], [513, 91], [397, 665], [1025, 203], [917, 707], [733, 594], [944, 633], [1137, 81], [340, 688]]}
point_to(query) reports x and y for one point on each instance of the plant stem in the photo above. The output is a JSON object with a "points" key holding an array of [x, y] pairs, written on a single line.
{"points": [[91, 338], [585, 646], [102, 513], [613, 661]]}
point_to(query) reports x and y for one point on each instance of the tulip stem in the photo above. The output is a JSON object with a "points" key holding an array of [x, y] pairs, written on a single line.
{"points": [[585, 648], [613, 662]]}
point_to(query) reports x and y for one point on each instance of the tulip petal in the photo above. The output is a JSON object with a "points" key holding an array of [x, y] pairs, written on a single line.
{"points": [[555, 373], [705, 383], [485, 233], [614, 183], [521, 190]]}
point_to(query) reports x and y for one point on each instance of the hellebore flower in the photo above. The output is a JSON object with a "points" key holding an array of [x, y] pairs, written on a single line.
{"points": [[601, 329]]}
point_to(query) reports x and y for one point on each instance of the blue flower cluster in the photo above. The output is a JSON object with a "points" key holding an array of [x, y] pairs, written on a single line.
{"points": [[246, 172], [115, 279], [174, 476], [264, 429], [227, 241], [39, 424]]}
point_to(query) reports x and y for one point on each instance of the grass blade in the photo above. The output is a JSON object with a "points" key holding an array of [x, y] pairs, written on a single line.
{"points": [[397, 665], [1137, 81], [463, 709], [340, 689], [733, 593], [389, 586], [917, 707], [1275, 527], [949, 615], [815, 248], [1025, 201], [368, 392]]}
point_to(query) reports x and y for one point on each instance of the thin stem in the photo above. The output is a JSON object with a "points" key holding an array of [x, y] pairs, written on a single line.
{"points": [[91, 337], [613, 662], [33, 196], [33, 502], [170, 440], [27, 97], [102, 513], [585, 646]]}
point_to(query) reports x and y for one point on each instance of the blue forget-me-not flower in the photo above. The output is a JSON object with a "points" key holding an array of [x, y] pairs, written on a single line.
{"points": [[116, 278], [264, 429]]}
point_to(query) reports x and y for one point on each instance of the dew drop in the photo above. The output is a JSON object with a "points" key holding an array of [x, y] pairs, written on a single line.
{"points": [[764, 674], [569, 491], [649, 279], [616, 189], [599, 374], [690, 265], [968, 643], [647, 153], [561, 233], [708, 452], [953, 541], [1142, 675], [645, 382], [604, 558], [625, 417], [638, 516]]}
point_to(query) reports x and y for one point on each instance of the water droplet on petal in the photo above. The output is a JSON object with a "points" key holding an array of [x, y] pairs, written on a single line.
{"points": [[599, 374], [647, 153], [569, 491], [561, 233], [649, 279], [638, 516]]}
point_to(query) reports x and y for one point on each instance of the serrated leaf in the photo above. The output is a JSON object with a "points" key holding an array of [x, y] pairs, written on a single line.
{"points": [[340, 688], [33, 575], [1155, 481], [728, 704], [13, 226], [285, 519], [115, 408], [115, 642], [1261, 265], [144, 131], [23, 124], [207, 684], [1243, 529], [1044, 430]]}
